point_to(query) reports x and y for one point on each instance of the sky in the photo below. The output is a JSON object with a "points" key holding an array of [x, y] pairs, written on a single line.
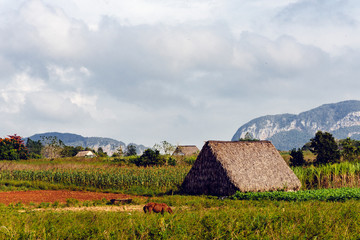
{"points": [[145, 71]]}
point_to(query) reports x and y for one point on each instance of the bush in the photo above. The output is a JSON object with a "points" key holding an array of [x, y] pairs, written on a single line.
{"points": [[190, 160], [297, 158], [340, 194], [150, 158], [172, 161]]}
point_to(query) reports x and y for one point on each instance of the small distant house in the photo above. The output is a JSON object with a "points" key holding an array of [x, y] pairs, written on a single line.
{"points": [[222, 168], [88, 154], [187, 150]]}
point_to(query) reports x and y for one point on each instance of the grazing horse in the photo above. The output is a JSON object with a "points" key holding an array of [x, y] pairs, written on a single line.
{"points": [[157, 208]]}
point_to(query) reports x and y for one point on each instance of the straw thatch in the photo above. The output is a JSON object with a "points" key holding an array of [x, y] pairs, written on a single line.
{"points": [[187, 150], [85, 154], [222, 168]]}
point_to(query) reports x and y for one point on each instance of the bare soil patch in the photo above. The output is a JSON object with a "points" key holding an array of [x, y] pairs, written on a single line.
{"points": [[125, 208], [39, 196]]}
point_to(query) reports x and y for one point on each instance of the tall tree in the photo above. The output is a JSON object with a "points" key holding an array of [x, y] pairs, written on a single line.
{"points": [[68, 151], [166, 147], [325, 148], [350, 149], [130, 150], [34, 148], [52, 147], [248, 137], [13, 148], [101, 152], [119, 152]]}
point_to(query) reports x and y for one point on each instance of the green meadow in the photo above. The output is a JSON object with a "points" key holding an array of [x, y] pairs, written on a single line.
{"points": [[194, 218], [327, 207]]}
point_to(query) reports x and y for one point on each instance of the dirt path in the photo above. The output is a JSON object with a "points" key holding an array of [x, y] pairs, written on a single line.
{"points": [[60, 196], [125, 208]]}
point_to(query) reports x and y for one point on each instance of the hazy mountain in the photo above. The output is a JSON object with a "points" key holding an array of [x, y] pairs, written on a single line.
{"points": [[109, 145], [287, 131]]}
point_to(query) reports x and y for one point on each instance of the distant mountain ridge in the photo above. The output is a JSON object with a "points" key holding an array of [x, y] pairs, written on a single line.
{"points": [[287, 131], [109, 145]]}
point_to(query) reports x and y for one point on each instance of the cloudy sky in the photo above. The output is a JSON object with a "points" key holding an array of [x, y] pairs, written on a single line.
{"points": [[184, 71]]}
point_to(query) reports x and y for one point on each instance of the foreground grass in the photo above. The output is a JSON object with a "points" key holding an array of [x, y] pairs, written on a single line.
{"points": [[201, 218]]}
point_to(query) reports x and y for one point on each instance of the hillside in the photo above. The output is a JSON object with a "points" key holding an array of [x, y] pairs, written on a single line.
{"points": [[109, 145], [287, 131]]}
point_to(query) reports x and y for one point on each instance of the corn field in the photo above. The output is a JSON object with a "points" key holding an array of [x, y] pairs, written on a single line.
{"points": [[160, 179], [329, 176], [165, 179]]}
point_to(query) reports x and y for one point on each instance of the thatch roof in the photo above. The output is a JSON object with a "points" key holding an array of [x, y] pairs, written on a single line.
{"points": [[222, 168], [85, 154], [186, 150]]}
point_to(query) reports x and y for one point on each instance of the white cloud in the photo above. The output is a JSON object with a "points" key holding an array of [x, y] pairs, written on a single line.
{"points": [[329, 25], [55, 33], [68, 75], [174, 70], [138, 12], [13, 95]]}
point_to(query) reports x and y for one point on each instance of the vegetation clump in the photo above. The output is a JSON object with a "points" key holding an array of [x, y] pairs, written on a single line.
{"points": [[150, 158], [340, 194], [350, 149], [13, 148], [297, 158], [325, 148]]}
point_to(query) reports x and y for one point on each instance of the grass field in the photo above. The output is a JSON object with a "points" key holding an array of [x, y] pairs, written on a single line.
{"points": [[329, 213], [193, 218]]}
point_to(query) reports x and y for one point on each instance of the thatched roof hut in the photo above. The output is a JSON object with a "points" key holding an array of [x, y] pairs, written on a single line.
{"points": [[187, 150], [222, 168], [85, 154]]}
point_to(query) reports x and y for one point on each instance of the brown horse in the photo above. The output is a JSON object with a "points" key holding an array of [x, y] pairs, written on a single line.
{"points": [[157, 208]]}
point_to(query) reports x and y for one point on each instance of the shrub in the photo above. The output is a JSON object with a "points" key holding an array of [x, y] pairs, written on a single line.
{"points": [[297, 158], [172, 161], [150, 158], [190, 160], [340, 194]]}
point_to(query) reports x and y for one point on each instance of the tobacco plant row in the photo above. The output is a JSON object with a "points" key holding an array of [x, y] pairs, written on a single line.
{"points": [[340, 194]]}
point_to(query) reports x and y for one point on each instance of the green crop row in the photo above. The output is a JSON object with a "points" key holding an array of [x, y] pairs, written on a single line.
{"points": [[329, 176], [169, 178], [160, 179], [339, 194]]}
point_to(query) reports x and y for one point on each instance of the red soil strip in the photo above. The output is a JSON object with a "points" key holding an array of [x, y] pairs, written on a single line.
{"points": [[60, 196]]}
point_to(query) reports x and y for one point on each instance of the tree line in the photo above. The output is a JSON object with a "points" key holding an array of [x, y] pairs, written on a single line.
{"points": [[327, 150], [13, 147]]}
